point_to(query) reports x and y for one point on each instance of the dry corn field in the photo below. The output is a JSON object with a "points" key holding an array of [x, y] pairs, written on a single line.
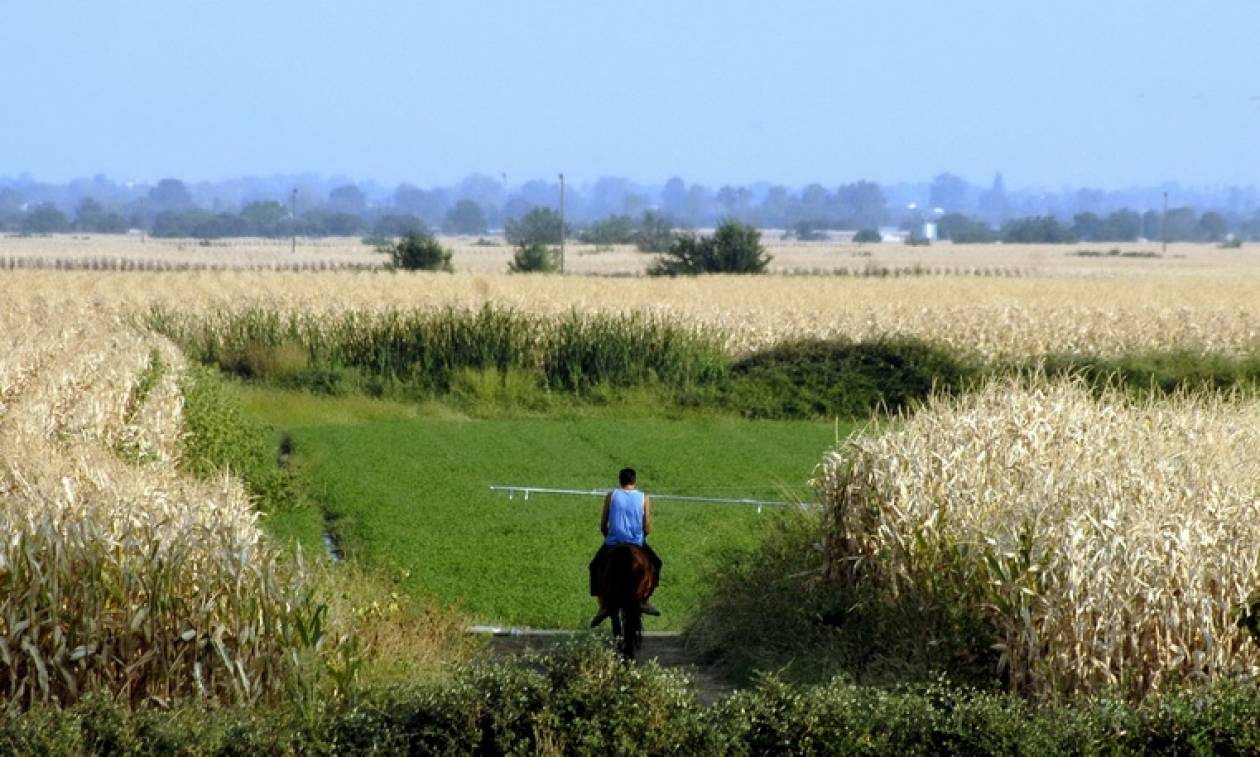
{"points": [[993, 318], [1110, 544], [789, 256], [118, 572]]}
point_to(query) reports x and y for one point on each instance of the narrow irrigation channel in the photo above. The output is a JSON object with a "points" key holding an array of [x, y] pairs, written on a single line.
{"points": [[332, 544]]}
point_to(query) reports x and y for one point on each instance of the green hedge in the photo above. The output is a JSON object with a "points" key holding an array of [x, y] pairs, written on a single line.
{"points": [[584, 700]]}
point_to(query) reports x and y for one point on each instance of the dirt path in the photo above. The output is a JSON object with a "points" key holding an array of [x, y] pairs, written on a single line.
{"points": [[665, 647]]}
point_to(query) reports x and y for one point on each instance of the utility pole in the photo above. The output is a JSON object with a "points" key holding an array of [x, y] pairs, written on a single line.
{"points": [[293, 214], [1163, 225], [561, 223]]}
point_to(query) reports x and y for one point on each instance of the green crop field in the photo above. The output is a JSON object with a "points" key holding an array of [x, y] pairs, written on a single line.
{"points": [[407, 489]]}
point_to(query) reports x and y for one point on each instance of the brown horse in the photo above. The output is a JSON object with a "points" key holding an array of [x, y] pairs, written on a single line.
{"points": [[625, 585]]}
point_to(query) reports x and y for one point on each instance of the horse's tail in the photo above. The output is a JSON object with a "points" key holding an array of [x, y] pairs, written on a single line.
{"points": [[630, 572], [631, 630]]}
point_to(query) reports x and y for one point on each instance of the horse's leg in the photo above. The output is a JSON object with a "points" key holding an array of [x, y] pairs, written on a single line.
{"points": [[616, 624]]}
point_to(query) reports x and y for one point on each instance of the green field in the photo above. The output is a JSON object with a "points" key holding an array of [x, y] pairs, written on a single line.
{"points": [[407, 488]]}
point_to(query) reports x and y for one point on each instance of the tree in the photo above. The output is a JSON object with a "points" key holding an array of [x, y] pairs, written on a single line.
{"points": [[1121, 226], [1087, 226], [655, 232], [419, 252], [612, 230], [1037, 229], [398, 225], [868, 236], [465, 217], [45, 218], [92, 216], [962, 229], [810, 230], [347, 199], [170, 194], [323, 223], [948, 192], [734, 248], [1181, 225], [1212, 227], [267, 218], [534, 257], [862, 203], [429, 205], [674, 197], [538, 226], [176, 223]]}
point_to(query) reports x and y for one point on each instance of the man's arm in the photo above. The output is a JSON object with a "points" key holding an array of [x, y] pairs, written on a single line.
{"points": [[603, 518], [647, 515]]}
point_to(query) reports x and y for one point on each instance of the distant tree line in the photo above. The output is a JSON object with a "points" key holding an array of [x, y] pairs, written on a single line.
{"points": [[616, 211], [1180, 225]]}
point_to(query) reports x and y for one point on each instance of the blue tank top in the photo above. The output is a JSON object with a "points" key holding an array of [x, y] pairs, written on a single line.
{"points": [[625, 518]]}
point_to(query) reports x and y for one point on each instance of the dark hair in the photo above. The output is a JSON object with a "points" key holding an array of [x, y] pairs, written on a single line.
{"points": [[627, 476]]}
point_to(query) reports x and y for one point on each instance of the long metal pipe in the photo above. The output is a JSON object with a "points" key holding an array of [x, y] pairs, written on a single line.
{"points": [[527, 490]]}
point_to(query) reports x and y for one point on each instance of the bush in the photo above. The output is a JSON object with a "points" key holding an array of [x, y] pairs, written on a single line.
{"points": [[465, 217], [655, 233], [534, 258], [538, 226], [219, 437], [734, 248], [961, 229], [810, 230], [398, 225], [582, 700], [1038, 229], [419, 251], [833, 378], [609, 231], [866, 236]]}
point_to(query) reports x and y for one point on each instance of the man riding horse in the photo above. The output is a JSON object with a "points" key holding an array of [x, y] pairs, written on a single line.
{"points": [[626, 519]]}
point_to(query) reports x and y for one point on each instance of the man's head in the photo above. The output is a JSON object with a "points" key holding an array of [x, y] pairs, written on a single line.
{"points": [[627, 477]]}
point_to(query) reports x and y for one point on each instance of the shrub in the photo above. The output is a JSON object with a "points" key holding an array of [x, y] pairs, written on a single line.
{"points": [[868, 236], [534, 257], [655, 233], [841, 378], [809, 230], [219, 437], [465, 217], [419, 251], [1038, 229], [612, 230], [734, 248], [538, 226]]}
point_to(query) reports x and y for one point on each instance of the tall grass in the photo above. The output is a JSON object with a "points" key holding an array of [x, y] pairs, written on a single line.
{"points": [[1104, 542], [427, 348]]}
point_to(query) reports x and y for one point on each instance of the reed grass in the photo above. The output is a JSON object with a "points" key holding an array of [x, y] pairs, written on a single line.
{"points": [[428, 348]]}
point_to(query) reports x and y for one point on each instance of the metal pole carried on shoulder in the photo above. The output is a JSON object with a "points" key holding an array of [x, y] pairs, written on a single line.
{"points": [[525, 491]]}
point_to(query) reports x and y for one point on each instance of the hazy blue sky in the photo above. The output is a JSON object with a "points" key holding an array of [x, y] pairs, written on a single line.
{"points": [[1080, 92]]}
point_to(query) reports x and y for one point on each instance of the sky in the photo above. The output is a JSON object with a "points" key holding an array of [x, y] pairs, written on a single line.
{"points": [[1105, 93]]}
